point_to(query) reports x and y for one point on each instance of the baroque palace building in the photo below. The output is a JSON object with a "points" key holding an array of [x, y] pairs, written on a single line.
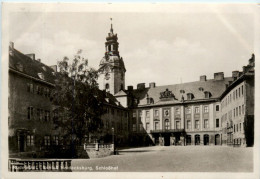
{"points": [[194, 113], [217, 111]]}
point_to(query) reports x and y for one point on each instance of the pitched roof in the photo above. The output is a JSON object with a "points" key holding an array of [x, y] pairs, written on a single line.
{"points": [[197, 88], [120, 93], [30, 67]]}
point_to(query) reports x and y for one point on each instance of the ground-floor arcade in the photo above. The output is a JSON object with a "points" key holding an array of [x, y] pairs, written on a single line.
{"points": [[189, 138]]}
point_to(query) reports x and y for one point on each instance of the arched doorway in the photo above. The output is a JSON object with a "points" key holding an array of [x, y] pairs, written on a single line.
{"points": [[197, 139], [217, 139], [206, 139], [188, 139]]}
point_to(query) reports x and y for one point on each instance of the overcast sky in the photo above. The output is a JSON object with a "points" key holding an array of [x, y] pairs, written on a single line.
{"points": [[163, 47]]}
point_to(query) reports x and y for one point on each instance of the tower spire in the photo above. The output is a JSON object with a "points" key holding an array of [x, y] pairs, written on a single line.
{"points": [[111, 29]]}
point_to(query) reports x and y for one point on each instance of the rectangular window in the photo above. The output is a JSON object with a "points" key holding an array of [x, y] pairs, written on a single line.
{"points": [[156, 113], [234, 128], [240, 126], [243, 109], [47, 116], [217, 122], [217, 107], [206, 123], [188, 124], [206, 109], [177, 110], [134, 114], [47, 140], [188, 110], [30, 140], [242, 90], [147, 114], [178, 124], [236, 111], [55, 140], [140, 113], [239, 110], [147, 126], [112, 111], [197, 110], [141, 127], [156, 125], [134, 127], [38, 114], [30, 113], [197, 124], [238, 92]]}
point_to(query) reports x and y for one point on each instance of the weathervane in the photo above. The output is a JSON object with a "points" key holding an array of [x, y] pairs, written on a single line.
{"points": [[111, 30]]}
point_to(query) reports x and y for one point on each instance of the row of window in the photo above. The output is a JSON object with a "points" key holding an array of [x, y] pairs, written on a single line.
{"points": [[56, 140], [237, 111], [177, 111], [177, 124], [42, 115], [113, 111], [37, 89], [119, 127], [239, 92], [237, 127]]}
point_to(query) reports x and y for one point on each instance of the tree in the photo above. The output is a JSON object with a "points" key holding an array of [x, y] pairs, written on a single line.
{"points": [[77, 99]]}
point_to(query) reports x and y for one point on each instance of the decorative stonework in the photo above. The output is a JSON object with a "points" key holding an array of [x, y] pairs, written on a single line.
{"points": [[166, 94]]}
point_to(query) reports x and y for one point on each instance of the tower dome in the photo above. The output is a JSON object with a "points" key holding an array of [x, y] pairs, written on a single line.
{"points": [[111, 68]]}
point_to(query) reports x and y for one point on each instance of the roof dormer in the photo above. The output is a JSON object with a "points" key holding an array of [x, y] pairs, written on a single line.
{"points": [[207, 94], [190, 96]]}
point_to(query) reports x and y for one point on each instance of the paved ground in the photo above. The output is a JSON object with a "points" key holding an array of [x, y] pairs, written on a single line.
{"points": [[172, 159]]}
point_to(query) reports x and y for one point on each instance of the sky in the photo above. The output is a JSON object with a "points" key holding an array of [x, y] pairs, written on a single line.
{"points": [[169, 45]]}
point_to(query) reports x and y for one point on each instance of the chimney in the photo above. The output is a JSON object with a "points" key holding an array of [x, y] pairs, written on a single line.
{"points": [[31, 55], [235, 74], [39, 60], [11, 45], [130, 88], [203, 78], [252, 60], [219, 76], [152, 85], [54, 67], [141, 86]]}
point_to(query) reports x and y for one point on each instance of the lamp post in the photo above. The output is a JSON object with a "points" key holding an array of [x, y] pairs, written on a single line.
{"points": [[113, 139]]}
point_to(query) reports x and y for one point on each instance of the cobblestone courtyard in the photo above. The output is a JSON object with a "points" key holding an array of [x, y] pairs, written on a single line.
{"points": [[172, 159]]}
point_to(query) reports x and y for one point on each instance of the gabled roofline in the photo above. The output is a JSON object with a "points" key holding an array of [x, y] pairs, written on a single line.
{"points": [[30, 77], [234, 84]]}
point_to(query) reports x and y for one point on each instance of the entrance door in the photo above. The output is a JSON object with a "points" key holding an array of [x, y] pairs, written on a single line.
{"points": [[166, 140], [21, 143], [156, 140], [197, 139], [217, 139], [206, 139], [188, 140]]}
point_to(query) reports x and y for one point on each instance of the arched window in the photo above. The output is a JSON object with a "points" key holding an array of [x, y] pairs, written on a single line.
{"points": [[167, 124], [107, 87]]}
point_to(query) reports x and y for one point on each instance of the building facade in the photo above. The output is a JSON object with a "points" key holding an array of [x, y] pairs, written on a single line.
{"points": [[194, 113], [217, 111]]}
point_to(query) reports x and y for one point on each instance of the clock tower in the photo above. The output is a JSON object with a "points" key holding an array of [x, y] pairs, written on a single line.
{"points": [[111, 68]]}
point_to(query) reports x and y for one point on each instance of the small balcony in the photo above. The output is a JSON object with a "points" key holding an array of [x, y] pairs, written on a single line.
{"points": [[167, 130]]}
